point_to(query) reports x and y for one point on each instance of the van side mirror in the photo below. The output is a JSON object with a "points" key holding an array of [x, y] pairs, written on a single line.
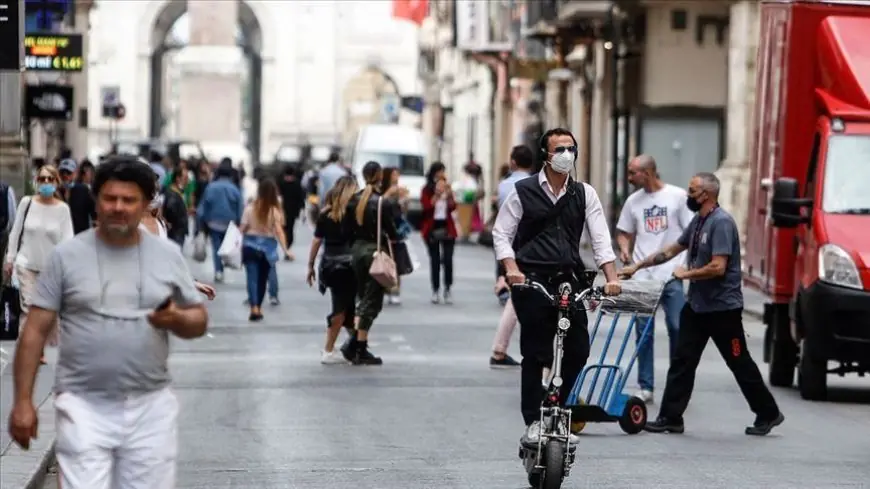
{"points": [[786, 206]]}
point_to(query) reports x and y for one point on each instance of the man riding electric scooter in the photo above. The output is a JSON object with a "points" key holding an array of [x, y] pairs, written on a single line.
{"points": [[537, 236]]}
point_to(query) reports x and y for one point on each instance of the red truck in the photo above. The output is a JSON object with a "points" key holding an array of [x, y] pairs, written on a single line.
{"points": [[808, 228]]}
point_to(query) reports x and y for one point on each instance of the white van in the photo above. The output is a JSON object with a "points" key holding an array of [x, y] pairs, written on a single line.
{"points": [[399, 147]]}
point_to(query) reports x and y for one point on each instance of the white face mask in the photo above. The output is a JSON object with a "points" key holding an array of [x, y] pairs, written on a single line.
{"points": [[562, 162]]}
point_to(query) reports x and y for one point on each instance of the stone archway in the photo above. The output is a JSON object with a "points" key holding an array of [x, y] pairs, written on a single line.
{"points": [[252, 43], [364, 97]]}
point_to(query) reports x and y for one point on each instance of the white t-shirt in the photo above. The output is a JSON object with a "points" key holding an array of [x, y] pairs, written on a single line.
{"points": [[44, 227], [657, 220]]}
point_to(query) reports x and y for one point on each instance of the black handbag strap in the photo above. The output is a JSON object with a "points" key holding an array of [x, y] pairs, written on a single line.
{"points": [[23, 222]]}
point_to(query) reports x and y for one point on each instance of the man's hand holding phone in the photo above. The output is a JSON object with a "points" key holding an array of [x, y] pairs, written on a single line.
{"points": [[165, 316]]}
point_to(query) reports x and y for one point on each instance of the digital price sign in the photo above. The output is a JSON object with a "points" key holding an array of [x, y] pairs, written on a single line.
{"points": [[53, 52]]}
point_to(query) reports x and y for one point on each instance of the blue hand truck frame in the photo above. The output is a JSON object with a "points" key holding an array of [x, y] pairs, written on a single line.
{"points": [[613, 405]]}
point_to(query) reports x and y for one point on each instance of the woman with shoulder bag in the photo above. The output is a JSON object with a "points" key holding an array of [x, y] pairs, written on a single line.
{"points": [[42, 222], [336, 268], [395, 195], [371, 225], [438, 229]]}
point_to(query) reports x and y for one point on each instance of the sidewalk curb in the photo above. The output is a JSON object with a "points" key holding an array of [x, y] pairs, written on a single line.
{"points": [[32, 466], [37, 479]]}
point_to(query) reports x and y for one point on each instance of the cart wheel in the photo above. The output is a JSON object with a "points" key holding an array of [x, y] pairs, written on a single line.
{"points": [[577, 426], [633, 417]]}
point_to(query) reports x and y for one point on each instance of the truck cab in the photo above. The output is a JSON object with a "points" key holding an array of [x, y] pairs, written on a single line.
{"points": [[808, 237]]}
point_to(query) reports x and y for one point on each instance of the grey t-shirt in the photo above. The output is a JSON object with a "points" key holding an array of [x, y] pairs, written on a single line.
{"points": [[103, 295], [717, 237]]}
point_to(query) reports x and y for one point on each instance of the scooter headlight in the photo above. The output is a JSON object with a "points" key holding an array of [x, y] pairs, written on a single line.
{"points": [[564, 324], [838, 268]]}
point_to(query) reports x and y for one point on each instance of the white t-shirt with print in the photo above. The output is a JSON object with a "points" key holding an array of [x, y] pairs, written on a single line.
{"points": [[657, 220]]}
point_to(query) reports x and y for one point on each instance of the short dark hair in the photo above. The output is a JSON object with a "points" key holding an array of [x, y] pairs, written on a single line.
{"points": [[333, 157], [523, 157], [126, 168], [557, 131]]}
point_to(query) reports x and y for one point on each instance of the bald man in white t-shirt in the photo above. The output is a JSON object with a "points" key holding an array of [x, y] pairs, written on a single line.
{"points": [[654, 216]]}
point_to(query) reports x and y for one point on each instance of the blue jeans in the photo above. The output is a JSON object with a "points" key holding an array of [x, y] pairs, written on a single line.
{"points": [[257, 268], [273, 281], [673, 300], [216, 237]]}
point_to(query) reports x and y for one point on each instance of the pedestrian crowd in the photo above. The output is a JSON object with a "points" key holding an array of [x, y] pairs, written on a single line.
{"points": [[95, 258]]}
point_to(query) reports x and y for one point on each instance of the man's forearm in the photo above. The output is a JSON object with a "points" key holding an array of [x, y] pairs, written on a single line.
{"points": [[609, 270], [27, 355], [510, 265], [192, 324], [662, 256], [707, 272]]}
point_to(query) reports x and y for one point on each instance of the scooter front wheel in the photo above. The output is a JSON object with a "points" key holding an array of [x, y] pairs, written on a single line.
{"points": [[554, 471]]}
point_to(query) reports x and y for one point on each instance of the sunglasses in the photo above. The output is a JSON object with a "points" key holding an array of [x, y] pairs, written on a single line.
{"points": [[562, 149], [44, 179]]}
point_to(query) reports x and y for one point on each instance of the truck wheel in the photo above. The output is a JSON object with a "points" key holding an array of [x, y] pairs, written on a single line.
{"points": [[783, 351], [812, 376]]}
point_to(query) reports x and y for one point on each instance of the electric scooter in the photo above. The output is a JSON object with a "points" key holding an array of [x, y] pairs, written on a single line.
{"points": [[549, 461]]}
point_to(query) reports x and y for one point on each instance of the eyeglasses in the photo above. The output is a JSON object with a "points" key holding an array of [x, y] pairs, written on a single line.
{"points": [[562, 149], [44, 179]]}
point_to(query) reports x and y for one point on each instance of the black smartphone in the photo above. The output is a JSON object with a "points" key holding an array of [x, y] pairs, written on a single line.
{"points": [[163, 305]]}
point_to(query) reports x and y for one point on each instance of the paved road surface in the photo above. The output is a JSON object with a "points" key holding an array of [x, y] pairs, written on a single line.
{"points": [[260, 412]]}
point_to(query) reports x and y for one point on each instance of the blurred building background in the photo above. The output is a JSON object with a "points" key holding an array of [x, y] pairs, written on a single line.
{"points": [[670, 78]]}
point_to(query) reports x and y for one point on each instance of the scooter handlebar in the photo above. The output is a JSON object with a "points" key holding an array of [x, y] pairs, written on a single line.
{"points": [[590, 294]]}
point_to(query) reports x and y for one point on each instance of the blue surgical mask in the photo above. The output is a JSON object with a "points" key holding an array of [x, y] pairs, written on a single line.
{"points": [[46, 189]]}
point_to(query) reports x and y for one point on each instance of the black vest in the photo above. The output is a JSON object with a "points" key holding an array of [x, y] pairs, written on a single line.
{"points": [[548, 242]]}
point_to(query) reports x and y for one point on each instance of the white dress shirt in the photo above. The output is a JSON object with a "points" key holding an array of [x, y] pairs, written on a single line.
{"points": [[511, 212]]}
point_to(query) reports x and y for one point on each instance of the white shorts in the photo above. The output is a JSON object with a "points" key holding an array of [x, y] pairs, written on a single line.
{"points": [[129, 443]]}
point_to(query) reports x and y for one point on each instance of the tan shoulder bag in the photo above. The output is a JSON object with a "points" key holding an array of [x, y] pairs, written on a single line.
{"points": [[383, 268]]}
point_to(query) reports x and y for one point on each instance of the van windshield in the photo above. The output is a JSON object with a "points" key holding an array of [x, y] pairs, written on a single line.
{"points": [[847, 171], [408, 165]]}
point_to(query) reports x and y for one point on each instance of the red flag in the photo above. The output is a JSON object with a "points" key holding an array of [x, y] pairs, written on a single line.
{"points": [[413, 10]]}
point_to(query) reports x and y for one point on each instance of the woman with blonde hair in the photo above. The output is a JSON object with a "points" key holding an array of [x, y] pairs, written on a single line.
{"points": [[366, 221], [263, 230], [41, 223], [336, 270]]}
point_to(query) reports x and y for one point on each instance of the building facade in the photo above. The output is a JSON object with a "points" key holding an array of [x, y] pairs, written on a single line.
{"points": [[308, 54], [673, 79]]}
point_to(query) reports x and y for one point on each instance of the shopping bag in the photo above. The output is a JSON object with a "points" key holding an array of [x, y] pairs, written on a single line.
{"points": [[199, 248], [10, 306], [230, 251], [383, 268]]}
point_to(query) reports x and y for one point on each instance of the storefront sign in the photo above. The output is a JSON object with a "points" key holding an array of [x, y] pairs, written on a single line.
{"points": [[51, 102], [53, 52], [10, 35]]}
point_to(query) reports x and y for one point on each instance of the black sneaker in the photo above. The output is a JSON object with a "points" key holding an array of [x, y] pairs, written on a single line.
{"points": [[762, 427], [664, 425], [365, 357], [506, 362]]}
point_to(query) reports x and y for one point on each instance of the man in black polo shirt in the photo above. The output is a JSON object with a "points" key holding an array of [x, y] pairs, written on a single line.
{"points": [[714, 310], [537, 234]]}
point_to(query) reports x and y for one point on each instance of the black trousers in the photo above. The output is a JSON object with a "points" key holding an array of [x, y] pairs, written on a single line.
{"points": [[440, 256], [289, 227], [726, 330], [538, 318]]}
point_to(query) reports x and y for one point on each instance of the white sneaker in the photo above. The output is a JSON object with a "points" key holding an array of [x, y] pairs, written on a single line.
{"points": [[332, 358], [533, 433], [395, 300], [646, 396]]}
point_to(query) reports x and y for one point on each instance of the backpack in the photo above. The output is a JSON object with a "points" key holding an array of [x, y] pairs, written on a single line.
{"points": [[4, 207]]}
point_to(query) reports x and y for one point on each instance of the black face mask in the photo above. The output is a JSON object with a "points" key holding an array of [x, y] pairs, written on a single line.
{"points": [[693, 204]]}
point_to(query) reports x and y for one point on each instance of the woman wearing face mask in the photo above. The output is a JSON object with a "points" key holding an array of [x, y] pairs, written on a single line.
{"points": [[41, 222]]}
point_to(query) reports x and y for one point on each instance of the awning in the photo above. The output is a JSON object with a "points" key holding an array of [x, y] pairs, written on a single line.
{"points": [[576, 10]]}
